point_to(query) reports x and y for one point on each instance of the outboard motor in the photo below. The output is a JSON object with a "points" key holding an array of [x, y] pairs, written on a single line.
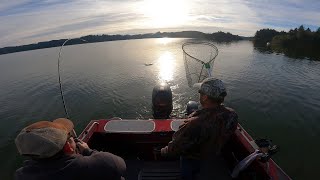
{"points": [[191, 107], [162, 101]]}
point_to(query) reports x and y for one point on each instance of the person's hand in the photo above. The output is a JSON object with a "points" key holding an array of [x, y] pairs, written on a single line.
{"points": [[82, 146], [164, 151]]}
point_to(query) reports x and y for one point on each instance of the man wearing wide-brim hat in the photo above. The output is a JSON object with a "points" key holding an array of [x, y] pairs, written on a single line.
{"points": [[53, 154]]}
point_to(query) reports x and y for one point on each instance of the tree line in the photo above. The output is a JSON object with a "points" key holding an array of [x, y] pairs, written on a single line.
{"points": [[298, 42], [217, 36]]}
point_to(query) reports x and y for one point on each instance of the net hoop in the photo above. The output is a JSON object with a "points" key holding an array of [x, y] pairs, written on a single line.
{"points": [[202, 43], [198, 58]]}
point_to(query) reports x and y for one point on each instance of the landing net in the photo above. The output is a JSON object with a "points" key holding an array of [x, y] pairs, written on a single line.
{"points": [[198, 60]]}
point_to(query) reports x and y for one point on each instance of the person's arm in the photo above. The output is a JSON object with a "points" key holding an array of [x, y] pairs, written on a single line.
{"points": [[84, 148], [102, 164], [186, 138], [232, 122]]}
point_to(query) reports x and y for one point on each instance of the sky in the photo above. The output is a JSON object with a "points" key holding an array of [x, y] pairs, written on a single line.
{"points": [[30, 21]]}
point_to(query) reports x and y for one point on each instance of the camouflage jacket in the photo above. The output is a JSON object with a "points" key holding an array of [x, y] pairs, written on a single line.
{"points": [[204, 132]]}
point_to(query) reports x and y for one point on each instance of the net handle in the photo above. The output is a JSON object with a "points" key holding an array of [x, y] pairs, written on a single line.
{"points": [[204, 43]]}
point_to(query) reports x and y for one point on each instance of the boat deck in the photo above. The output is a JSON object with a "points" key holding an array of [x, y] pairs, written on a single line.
{"points": [[152, 170]]}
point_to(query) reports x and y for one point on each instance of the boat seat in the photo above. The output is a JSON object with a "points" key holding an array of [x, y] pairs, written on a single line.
{"points": [[129, 126]]}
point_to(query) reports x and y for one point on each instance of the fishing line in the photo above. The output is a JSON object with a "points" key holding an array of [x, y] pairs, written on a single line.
{"points": [[59, 74]]}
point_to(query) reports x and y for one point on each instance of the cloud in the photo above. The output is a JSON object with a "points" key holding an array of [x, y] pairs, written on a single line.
{"points": [[29, 21], [59, 20], [283, 15]]}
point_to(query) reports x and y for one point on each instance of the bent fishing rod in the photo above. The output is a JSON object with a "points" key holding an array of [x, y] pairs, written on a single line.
{"points": [[60, 84]]}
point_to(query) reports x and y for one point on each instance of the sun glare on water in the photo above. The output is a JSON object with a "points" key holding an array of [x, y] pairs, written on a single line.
{"points": [[164, 41], [166, 66], [165, 13]]}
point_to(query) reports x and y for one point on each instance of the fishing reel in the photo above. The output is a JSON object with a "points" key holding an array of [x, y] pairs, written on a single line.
{"points": [[267, 148], [192, 106]]}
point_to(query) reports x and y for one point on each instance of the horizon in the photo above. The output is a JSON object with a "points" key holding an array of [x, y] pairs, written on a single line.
{"points": [[75, 38], [27, 21]]}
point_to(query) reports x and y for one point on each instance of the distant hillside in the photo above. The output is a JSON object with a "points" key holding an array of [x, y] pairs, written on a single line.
{"points": [[298, 42], [217, 36]]}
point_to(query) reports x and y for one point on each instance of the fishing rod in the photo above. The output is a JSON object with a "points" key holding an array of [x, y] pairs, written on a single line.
{"points": [[60, 84]]}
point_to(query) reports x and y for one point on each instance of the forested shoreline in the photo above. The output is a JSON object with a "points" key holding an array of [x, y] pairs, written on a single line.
{"points": [[217, 36], [299, 42]]}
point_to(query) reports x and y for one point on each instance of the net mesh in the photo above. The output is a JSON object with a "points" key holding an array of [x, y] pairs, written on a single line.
{"points": [[198, 60]]}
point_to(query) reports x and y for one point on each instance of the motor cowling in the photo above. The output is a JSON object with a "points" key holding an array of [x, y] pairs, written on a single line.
{"points": [[162, 101]]}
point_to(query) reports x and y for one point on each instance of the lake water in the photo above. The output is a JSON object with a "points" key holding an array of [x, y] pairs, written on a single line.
{"points": [[275, 96]]}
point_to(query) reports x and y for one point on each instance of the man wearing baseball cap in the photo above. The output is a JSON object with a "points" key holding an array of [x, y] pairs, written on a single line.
{"points": [[200, 139], [53, 154]]}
